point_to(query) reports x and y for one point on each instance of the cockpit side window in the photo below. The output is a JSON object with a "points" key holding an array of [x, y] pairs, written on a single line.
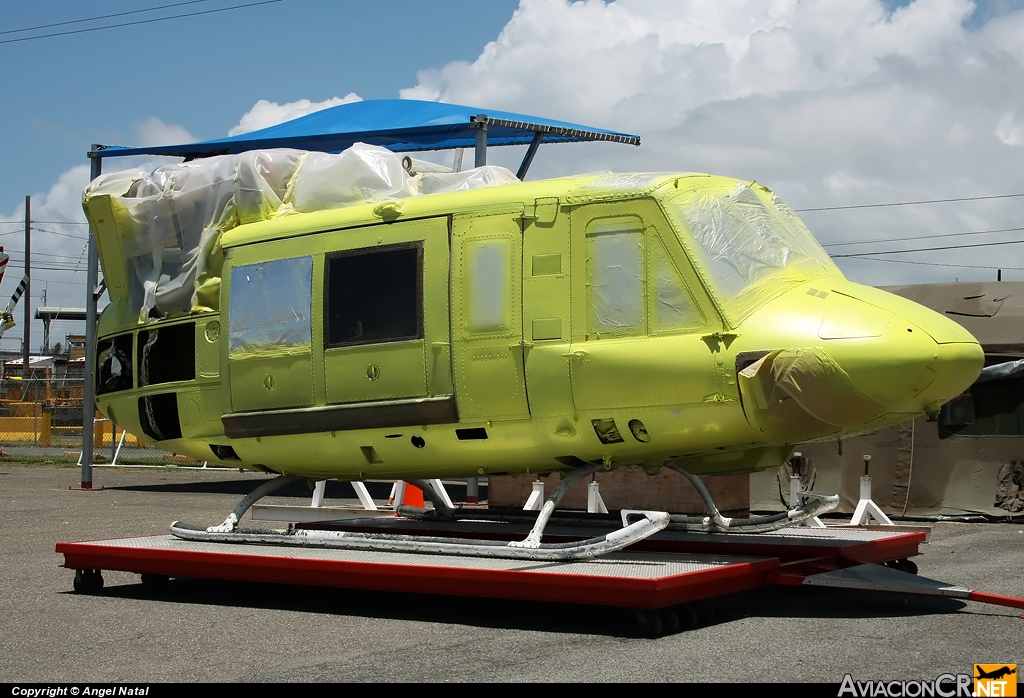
{"points": [[672, 306], [746, 234], [616, 277]]}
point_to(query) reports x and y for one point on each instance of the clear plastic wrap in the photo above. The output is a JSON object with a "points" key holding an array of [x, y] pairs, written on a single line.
{"points": [[169, 221], [616, 281], [271, 307], [745, 239]]}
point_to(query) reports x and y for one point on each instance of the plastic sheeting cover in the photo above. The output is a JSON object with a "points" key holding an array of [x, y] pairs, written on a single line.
{"points": [[489, 308], [616, 280], [745, 238], [673, 307], [803, 393], [169, 221], [271, 307]]}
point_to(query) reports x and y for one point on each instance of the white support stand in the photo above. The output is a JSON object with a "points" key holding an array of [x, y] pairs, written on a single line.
{"points": [[439, 488], [867, 509], [318, 494], [120, 443], [794, 502], [364, 496], [536, 500], [595, 504], [397, 494]]}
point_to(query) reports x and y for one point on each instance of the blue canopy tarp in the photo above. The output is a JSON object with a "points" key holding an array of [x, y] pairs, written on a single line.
{"points": [[396, 124]]}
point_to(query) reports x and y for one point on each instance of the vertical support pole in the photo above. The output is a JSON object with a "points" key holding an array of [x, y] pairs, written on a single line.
{"points": [[472, 490], [88, 375], [26, 345], [481, 140]]}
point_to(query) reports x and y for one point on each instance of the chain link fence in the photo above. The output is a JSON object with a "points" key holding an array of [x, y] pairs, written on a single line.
{"points": [[41, 421]]}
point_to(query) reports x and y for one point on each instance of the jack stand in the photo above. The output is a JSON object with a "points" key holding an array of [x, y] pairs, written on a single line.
{"points": [[867, 509], [794, 502], [472, 490], [536, 500], [595, 504]]}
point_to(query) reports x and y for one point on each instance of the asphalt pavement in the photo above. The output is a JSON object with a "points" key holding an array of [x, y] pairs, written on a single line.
{"points": [[198, 630]]}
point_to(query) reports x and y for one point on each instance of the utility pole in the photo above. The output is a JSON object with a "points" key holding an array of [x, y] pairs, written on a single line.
{"points": [[28, 286]]}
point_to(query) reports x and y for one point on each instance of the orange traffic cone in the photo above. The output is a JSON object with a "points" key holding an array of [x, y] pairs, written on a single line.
{"points": [[413, 496]]}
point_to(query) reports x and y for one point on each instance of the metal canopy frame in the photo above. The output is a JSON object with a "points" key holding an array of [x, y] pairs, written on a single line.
{"points": [[443, 127]]}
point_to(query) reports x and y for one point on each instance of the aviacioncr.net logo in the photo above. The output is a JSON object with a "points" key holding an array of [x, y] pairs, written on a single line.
{"points": [[943, 686]]}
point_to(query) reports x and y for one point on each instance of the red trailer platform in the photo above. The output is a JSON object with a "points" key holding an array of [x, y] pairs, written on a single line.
{"points": [[660, 577]]}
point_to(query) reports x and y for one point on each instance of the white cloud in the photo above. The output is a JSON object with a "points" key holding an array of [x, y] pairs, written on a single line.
{"points": [[153, 131], [830, 103], [265, 113], [1009, 131]]}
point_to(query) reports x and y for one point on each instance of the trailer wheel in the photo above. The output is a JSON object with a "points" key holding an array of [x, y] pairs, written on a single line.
{"points": [[687, 615], [705, 613], [669, 621], [648, 624], [88, 581]]}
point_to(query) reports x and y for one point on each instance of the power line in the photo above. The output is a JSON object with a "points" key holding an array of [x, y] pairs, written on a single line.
{"points": [[930, 249], [140, 21], [98, 17], [907, 203], [935, 264], [36, 220], [919, 237], [54, 232]]}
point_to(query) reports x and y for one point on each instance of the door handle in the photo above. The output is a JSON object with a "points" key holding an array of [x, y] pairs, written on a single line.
{"points": [[578, 355]]}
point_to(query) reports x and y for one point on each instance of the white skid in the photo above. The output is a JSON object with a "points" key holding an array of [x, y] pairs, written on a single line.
{"points": [[650, 523]]}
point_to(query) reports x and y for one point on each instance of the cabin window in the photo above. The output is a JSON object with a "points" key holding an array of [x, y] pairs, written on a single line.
{"points": [[270, 306], [374, 295], [615, 273], [489, 264], [743, 238], [167, 354], [114, 364], [673, 307]]}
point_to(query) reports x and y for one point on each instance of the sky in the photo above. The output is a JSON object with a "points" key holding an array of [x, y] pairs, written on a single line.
{"points": [[830, 104]]}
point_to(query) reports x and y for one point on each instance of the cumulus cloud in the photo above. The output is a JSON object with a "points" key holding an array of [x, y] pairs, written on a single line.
{"points": [[153, 131], [829, 103], [265, 113]]}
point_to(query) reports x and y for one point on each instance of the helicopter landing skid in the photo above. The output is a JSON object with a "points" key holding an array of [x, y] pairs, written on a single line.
{"points": [[636, 526], [813, 504]]}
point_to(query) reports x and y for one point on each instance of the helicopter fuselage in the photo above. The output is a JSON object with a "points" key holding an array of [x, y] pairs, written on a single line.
{"points": [[526, 328]]}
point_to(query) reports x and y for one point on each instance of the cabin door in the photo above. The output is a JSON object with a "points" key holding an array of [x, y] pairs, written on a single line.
{"points": [[487, 317], [639, 318], [270, 329], [385, 331]]}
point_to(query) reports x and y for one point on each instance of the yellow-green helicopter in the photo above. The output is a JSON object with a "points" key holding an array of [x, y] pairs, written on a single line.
{"points": [[353, 316]]}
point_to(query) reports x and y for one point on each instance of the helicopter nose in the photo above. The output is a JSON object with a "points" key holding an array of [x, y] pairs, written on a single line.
{"points": [[897, 362], [872, 366]]}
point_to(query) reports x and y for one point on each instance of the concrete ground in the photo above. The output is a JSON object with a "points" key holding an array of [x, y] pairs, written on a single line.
{"points": [[193, 630]]}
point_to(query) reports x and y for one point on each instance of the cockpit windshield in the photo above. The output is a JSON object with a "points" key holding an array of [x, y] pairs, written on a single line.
{"points": [[745, 234]]}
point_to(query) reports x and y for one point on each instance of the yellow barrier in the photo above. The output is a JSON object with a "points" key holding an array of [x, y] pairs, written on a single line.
{"points": [[35, 429], [24, 409]]}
